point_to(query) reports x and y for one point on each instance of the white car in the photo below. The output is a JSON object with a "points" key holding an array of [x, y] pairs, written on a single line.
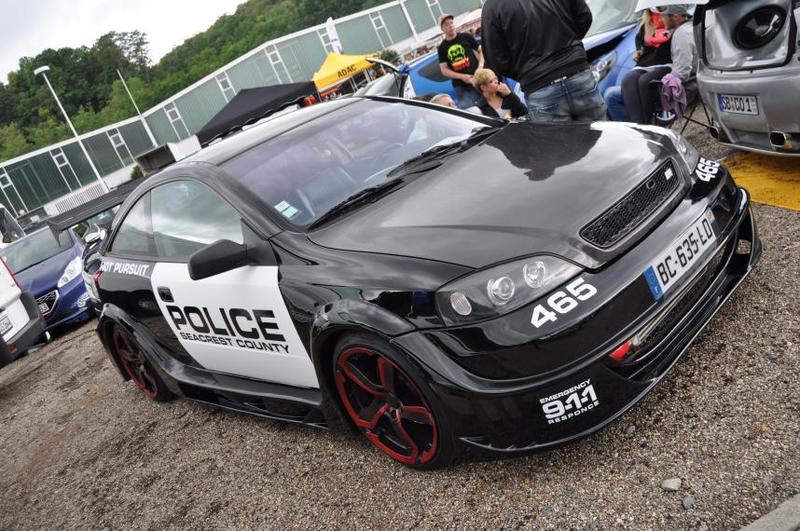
{"points": [[749, 75], [20, 322]]}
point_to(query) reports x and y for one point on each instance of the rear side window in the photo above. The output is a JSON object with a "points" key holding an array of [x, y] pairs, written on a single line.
{"points": [[187, 216], [135, 234]]}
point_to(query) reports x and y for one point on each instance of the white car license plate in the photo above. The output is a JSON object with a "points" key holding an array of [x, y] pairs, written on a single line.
{"points": [[667, 269], [5, 324], [738, 104], [43, 308]]}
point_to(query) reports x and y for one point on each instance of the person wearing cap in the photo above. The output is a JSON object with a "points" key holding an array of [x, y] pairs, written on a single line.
{"points": [[538, 43], [459, 56], [640, 103]]}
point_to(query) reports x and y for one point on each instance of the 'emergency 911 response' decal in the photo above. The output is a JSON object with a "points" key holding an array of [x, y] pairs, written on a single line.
{"points": [[235, 322], [569, 403]]}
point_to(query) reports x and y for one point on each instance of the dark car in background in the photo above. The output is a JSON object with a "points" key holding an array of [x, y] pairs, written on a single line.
{"points": [[50, 268]]}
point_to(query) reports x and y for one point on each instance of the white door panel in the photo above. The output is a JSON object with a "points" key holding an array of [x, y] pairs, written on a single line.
{"points": [[236, 323]]}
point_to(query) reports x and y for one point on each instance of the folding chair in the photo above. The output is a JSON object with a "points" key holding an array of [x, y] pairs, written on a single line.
{"points": [[693, 100]]}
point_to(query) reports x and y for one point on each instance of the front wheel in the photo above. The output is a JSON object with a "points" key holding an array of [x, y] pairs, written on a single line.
{"points": [[133, 360], [388, 400]]}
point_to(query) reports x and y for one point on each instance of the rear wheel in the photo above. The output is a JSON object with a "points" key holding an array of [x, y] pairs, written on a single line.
{"points": [[387, 399], [136, 366]]}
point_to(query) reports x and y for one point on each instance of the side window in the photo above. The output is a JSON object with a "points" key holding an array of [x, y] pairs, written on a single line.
{"points": [[135, 234], [187, 216]]}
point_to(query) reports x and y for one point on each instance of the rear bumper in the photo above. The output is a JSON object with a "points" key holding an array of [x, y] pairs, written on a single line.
{"points": [[541, 412], [776, 91], [27, 336]]}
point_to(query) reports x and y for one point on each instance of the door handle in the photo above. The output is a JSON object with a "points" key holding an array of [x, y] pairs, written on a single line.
{"points": [[165, 294]]}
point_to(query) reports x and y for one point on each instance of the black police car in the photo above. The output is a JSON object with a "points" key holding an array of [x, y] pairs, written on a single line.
{"points": [[438, 280]]}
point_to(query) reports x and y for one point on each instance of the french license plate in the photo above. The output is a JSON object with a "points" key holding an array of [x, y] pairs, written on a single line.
{"points": [[738, 104], [43, 308], [5, 324], [666, 271]]}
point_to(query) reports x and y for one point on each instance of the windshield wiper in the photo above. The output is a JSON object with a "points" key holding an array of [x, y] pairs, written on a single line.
{"points": [[440, 152], [362, 196]]}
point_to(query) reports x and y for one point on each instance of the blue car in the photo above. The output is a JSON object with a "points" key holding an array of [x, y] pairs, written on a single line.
{"points": [[50, 269], [610, 45]]}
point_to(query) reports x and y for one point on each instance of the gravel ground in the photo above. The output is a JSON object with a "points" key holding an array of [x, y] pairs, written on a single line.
{"points": [[81, 449]]}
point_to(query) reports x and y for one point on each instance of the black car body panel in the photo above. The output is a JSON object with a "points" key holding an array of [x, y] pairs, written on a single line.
{"points": [[525, 191]]}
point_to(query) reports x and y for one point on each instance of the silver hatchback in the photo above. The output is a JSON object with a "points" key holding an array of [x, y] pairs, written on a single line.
{"points": [[749, 74]]}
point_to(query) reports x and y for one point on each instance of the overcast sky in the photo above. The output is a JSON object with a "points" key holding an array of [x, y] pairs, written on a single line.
{"points": [[29, 26]]}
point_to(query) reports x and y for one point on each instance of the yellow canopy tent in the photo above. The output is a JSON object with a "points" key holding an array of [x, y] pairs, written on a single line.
{"points": [[338, 67]]}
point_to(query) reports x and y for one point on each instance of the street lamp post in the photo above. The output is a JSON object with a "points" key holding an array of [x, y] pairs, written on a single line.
{"points": [[144, 122], [42, 70]]}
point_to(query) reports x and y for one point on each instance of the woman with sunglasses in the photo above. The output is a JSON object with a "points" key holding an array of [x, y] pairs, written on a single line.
{"points": [[498, 100]]}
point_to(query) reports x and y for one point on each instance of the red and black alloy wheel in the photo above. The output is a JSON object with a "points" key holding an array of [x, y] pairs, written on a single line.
{"points": [[386, 404], [136, 366]]}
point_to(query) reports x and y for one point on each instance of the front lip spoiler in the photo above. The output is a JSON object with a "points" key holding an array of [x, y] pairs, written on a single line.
{"points": [[682, 337]]}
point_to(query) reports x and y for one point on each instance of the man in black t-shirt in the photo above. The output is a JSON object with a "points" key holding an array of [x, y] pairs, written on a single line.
{"points": [[459, 56]]}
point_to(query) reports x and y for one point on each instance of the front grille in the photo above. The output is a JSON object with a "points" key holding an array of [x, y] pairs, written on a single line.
{"points": [[622, 218], [47, 302]]}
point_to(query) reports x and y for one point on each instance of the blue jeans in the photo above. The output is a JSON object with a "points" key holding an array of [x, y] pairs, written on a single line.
{"points": [[615, 104], [466, 97], [574, 99]]}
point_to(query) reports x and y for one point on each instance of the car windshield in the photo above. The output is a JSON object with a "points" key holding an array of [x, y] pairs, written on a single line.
{"points": [[34, 249], [305, 172], [386, 85], [609, 15]]}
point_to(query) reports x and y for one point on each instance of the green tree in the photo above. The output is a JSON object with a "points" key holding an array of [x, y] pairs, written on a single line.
{"points": [[12, 142], [48, 131]]}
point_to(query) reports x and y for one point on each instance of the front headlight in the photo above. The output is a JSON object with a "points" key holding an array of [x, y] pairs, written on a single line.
{"points": [[72, 270], [685, 149], [602, 66], [501, 289]]}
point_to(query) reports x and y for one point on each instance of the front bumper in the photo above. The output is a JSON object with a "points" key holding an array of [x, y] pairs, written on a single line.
{"points": [[566, 386], [776, 91], [71, 304]]}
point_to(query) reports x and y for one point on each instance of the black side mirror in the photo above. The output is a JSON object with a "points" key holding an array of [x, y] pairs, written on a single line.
{"points": [[216, 258]]}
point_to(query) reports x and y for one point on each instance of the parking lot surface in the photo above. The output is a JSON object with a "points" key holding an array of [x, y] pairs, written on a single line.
{"points": [[715, 446]]}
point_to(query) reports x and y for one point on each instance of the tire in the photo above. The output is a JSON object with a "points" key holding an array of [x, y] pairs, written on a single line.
{"points": [[135, 364], [388, 400]]}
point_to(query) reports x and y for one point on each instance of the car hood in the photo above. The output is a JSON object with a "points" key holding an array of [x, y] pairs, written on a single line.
{"points": [[43, 276], [528, 189]]}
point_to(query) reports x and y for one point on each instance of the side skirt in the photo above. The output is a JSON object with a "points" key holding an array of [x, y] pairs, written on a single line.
{"points": [[237, 393]]}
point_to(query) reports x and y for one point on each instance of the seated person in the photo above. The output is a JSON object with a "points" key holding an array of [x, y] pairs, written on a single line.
{"points": [[498, 100], [640, 94], [653, 49], [444, 99]]}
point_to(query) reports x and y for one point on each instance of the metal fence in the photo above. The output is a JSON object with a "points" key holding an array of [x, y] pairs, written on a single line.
{"points": [[59, 177]]}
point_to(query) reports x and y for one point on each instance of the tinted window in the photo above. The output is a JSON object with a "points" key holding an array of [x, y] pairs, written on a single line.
{"points": [[188, 216], [135, 234], [304, 172], [34, 249]]}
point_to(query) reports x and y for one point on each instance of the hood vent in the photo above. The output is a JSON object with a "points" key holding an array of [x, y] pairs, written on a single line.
{"points": [[636, 207]]}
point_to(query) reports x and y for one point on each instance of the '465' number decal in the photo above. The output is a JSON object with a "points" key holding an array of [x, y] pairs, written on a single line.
{"points": [[707, 170], [562, 303]]}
